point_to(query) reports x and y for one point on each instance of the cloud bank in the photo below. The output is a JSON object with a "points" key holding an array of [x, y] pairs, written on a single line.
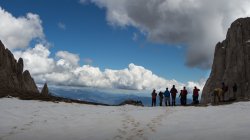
{"points": [[199, 24], [64, 69], [18, 32]]}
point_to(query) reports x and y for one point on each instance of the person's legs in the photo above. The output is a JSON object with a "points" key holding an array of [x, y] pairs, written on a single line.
{"points": [[173, 100], [196, 99], [219, 98], [185, 100], [223, 95], [168, 98], [153, 102], [215, 97]]}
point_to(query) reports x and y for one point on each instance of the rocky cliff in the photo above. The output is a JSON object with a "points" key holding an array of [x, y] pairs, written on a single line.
{"points": [[231, 63], [13, 80]]}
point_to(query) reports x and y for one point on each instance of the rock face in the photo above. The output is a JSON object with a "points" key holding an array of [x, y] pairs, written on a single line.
{"points": [[132, 102], [45, 90], [231, 63], [13, 80]]}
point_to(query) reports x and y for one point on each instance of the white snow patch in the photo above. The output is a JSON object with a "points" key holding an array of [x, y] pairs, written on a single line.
{"points": [[29, 120]]}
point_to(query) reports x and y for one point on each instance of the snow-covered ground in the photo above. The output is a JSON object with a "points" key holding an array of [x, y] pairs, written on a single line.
{"points": [[35, 120]]}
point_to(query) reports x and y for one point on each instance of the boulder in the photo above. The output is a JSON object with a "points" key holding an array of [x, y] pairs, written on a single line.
{"points": [[131, 102], [231, 63]]}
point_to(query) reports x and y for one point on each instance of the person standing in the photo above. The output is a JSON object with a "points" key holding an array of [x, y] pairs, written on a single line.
{"points": [[183, 96], [161, 97], [167, 97], [154, 94], [217, 94], [235, 90], [224, 90], [196, 95], [173, 92]]}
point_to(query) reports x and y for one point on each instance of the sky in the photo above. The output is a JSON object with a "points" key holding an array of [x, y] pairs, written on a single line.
{"points": [[123, 44]]}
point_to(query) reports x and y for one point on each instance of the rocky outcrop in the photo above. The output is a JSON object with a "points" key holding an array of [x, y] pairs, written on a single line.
{"points": [[231, 63], [45, 90], [131, 102], [13, 80]]}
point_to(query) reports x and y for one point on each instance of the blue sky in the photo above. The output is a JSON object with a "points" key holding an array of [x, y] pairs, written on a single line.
{"points": [[88, 34]]}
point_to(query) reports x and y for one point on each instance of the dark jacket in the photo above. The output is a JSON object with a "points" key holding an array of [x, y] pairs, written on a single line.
{"points": [[173, 91]]}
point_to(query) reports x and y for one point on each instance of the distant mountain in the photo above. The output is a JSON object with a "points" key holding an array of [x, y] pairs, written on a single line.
{"points": [[105, 96]]}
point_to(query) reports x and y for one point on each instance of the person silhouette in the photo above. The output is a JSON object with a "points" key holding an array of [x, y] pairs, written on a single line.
{"points": [[196, 95], [183, 96], [173, 92], [167, 97], [160, 97], [154, 94]]}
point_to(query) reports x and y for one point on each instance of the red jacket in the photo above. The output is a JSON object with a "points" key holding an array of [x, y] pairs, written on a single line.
{"points": [[154, 95], [183, 93], [196, 92]]}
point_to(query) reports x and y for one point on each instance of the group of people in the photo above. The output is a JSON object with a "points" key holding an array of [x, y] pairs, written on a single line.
{"points": [[171, 95], [219, 93]]}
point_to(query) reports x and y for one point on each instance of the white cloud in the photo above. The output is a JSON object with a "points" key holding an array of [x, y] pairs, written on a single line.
{"points": [[65, 70], [36, 60], [18, 32], [61, 26], [198, 24], [69, 58], [200, 84]]}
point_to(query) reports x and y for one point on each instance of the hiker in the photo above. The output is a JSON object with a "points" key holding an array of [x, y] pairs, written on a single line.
{"points": [[224, 90], [235, 90], [196, 95], [217, 93], [161, 97], [183, 96], [154, 94], [173, 92], [167, 97]]}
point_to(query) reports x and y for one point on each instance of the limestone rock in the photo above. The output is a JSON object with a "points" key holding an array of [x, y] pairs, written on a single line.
{"points": [[231, 63], [45, 90], [13, 81]]}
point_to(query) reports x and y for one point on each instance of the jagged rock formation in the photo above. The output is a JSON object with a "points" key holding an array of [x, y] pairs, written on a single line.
{"points": [[231, 63], [132, 102], [45, 90], [13, 80]]}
